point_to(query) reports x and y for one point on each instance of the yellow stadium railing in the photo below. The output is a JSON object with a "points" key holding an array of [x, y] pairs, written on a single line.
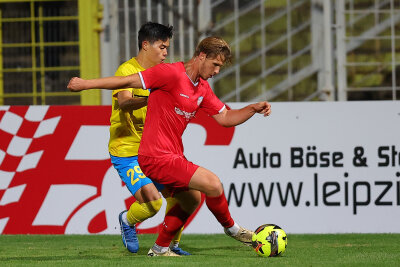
{"points": [[61, 40]]}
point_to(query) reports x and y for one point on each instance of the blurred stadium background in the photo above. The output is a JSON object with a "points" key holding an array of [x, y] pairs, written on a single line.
{"points": [[284, 50]]}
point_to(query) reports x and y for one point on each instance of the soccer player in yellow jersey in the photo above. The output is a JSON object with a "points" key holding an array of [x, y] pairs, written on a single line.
{"points": [[129, 107]]}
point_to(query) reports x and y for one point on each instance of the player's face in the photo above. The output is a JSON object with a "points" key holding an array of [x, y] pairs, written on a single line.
{"points": [[157, 51], [210, 66]]}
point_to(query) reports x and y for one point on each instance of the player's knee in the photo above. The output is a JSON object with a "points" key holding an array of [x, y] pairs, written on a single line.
{"points": [[192, 203], [215, 187], [147, 193], [196, 201]]}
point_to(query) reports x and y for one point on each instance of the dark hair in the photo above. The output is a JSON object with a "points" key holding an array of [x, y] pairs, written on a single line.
{"points": [[152, 32], [214, 46]]}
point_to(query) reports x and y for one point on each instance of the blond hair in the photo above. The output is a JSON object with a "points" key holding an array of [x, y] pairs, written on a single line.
{"points": [[213, 47]]}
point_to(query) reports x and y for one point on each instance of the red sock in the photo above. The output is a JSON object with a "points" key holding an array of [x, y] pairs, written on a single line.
{"points": [[219, 207], [173, 222]]}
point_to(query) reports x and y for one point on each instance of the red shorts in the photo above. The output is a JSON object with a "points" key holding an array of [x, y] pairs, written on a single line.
{"points": [[172, 171]]}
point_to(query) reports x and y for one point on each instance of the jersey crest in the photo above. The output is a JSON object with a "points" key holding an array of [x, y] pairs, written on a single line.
{"points": [[187, 115]]}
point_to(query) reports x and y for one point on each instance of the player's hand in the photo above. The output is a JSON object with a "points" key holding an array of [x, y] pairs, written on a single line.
{"points": [[76, 84], [263, 108]]}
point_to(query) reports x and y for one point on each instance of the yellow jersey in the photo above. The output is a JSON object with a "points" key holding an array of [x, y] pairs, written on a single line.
{"points": [[126, 127]]}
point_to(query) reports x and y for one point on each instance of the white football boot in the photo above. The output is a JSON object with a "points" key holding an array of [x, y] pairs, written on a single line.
{"points": [[243, 235], [168, 253]]}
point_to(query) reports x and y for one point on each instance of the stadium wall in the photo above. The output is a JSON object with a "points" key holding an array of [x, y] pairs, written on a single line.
{"points": [[316, 167]]}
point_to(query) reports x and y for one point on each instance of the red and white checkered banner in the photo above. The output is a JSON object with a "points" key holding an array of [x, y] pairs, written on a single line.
{"points": [[55, 173]]}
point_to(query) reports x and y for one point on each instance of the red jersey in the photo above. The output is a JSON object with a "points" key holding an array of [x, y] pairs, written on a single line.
{"points": [[173, 102]]}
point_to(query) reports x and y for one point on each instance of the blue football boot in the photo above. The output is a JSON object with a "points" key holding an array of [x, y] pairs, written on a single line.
{"points": [[128, 234], [180, 251]]}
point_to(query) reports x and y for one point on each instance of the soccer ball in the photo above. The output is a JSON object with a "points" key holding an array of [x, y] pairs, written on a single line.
{"points": [[269, 240]]}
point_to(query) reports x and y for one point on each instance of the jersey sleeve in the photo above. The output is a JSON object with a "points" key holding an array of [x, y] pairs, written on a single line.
{"points": [[123, 70], [211, 103], [157, 77]]}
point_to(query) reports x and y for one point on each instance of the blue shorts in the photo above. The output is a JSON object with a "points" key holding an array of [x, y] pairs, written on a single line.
{"points": [[129, 171]]}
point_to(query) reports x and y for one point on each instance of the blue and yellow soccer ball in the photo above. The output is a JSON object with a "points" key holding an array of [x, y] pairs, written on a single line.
{"points": [[269, 240]]}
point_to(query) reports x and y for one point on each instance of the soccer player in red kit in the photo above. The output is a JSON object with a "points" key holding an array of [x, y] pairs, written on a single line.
{"points": [[178, 90]]}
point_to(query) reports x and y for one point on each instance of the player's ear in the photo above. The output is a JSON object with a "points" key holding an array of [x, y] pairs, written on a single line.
{"points": [[145, 45], [202, 56]]}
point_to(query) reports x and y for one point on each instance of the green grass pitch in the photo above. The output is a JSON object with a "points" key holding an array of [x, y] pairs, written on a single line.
{"points": [[209, 250]]}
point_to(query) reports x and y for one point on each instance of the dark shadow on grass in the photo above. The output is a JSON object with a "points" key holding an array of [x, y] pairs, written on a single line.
{"points": [[218, 250]]}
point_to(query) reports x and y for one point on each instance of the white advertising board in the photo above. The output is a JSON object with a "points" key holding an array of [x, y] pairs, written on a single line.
{"points": [[315, 167]]}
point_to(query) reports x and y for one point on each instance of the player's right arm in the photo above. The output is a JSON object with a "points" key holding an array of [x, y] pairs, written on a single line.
{"points": [[77, 84]]}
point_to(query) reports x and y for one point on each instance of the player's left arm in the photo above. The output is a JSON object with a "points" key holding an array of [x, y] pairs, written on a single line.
{"points": [[233, 117]]}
